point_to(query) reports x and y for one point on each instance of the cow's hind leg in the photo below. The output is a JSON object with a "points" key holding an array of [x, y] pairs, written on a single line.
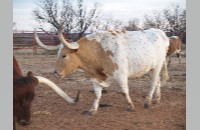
{"points": [[155, 83], [98, 92], [123, 83], [158, 93]]}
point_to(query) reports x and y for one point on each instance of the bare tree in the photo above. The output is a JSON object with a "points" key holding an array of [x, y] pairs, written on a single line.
{"points": [[182, 21], [67, 14], [106, 23], [85, 19], [177, 21], [172, 19], [172, 16], [148, 22], [103, 24], [133, 25], [155, 21]]}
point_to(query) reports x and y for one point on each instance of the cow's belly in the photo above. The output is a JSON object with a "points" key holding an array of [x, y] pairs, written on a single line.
{"points": [[141, 67], [140, 71]]}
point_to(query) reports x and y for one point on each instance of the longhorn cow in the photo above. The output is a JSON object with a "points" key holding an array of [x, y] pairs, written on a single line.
{"points": [[108, 56]]}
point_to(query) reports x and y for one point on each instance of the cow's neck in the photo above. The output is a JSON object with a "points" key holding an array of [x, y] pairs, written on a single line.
{"points": [[91, 66], [95, 61]]}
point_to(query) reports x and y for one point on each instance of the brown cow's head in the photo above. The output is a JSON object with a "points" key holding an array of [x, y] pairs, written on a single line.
{"points": [[23, 96], [67, 62], [67, 54], [23, 93]]}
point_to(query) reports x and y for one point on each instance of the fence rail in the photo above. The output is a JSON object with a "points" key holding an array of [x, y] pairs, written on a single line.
{"points": [[25, 40]]}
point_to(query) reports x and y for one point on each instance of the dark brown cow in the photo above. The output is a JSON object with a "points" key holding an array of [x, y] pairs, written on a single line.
{"points": [[23, 93]]}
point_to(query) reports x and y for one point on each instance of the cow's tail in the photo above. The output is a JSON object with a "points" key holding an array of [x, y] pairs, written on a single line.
{"points": [[59, 91]]}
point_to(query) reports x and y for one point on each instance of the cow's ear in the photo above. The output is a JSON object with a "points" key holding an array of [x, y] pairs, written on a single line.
{"points": [[30, 73]]}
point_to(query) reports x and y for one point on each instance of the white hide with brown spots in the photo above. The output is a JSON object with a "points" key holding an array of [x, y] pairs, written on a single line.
{"points": [[108, 57], [136, 51]]}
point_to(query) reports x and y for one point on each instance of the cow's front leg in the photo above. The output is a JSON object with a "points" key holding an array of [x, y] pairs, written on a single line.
{"points": [[98, 92]]}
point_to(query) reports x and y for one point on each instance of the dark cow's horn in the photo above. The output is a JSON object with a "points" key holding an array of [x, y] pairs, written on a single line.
{"points": [[78, 96], [38, 41], [57, 89]]}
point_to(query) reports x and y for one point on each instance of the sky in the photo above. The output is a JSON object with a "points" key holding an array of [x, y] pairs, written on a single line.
{"points": [[119, 9]]}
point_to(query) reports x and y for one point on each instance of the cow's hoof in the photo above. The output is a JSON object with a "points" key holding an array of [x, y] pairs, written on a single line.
{"points": [[129, 109], [146, 105], [89, 113], [104, 91], [157, 101]]}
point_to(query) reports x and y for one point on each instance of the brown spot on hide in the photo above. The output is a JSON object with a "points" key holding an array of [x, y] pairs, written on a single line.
{"points": [[118, 31], [112, 32], [94, 60], [123, 31]]}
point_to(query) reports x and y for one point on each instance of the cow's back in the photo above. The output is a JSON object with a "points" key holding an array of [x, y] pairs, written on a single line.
{"points": [[138, 51], [145, 49]]}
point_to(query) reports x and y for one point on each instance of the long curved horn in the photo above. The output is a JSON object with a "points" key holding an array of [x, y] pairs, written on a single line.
{"points": [[42, 44], [57, 89], [62, 40]]}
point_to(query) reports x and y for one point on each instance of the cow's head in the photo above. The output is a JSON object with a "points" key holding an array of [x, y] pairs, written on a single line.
{"points": [[67, 59], [67, 62], [23, 96], [86, 54]]}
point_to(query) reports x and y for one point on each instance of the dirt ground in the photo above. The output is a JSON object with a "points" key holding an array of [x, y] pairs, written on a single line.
{"points": [[50, 112]]}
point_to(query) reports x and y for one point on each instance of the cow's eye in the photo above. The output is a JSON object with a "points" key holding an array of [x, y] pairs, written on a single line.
{"points": [[63, 56]]}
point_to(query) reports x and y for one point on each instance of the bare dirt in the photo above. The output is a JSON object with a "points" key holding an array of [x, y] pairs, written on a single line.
{"points": [[50, 112]]}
